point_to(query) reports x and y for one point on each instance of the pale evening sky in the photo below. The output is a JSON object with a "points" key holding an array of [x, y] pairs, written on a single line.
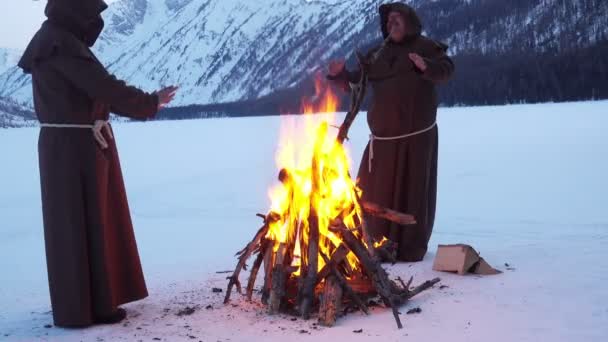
{"points": [[19, 20]]}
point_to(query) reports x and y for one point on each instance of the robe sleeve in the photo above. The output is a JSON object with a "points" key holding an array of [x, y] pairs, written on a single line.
{"points": [[440, 67], [344, 78], [93, 79]]}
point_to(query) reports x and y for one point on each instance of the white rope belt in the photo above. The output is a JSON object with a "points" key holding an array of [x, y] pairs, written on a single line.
{"points": [[86, 126], [373, 138], [65, 125]]}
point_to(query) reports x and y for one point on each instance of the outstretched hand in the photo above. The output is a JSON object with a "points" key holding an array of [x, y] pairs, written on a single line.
{"points": [[165, 96], [418, 61]]}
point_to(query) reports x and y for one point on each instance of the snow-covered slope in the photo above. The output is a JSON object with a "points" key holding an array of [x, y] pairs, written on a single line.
{"points": [[229, 50], [14, 115], [8, 58]]}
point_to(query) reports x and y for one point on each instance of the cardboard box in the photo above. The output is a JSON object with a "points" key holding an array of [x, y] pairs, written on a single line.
{"points": [[462, 259]]}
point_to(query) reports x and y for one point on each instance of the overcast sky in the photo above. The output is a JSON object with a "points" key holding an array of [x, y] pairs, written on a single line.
{"points": [[19, 20]]}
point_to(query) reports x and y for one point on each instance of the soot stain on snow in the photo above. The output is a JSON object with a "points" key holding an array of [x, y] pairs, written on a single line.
{"points": [[416, 310], [187, 311]]}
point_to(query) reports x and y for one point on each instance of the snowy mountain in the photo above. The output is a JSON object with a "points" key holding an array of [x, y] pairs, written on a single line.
{"points": [[8, 59], [14, 115], [229, 50], [233, 50]]}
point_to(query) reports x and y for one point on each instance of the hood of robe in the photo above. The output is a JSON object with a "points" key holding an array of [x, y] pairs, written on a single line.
{"points": [[81, 17], [412, 21], [72, 26]]}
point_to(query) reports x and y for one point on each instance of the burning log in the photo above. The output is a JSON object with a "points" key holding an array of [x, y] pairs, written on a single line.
{"points": [[310, 280], [336, 259], [308, 286], [344, 283], [367, 237], [374, 270], [387, 214], [267, 274], [279, 279], [391, 294], [331, 301]]}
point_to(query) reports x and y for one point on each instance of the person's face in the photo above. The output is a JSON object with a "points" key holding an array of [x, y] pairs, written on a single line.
{"points": [[396, 26]]}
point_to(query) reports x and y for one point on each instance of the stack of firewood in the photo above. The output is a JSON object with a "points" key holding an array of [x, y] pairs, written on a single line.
{"points": [[337, 287]]}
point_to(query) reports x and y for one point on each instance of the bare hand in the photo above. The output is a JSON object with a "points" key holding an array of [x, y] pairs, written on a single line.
{"points": [[165, 96], [418, 61], [336, 67], [98, 129]]}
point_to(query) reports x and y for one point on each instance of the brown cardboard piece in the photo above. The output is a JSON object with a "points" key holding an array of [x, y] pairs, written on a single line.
{"points": [[461, 259]]}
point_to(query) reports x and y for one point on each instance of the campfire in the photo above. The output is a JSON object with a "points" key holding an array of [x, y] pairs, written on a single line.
{"points": [[316, 252]]}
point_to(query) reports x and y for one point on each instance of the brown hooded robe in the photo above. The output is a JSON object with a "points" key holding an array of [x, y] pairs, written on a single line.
{"points": [[404, 171], [92, 258]]}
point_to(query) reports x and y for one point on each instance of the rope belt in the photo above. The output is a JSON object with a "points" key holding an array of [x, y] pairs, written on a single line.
{"points": [[51, 125], [373, 138]]}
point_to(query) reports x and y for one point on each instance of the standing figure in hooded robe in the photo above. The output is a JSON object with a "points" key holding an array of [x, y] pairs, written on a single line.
{"points": [[399, 165], [92, 257]]}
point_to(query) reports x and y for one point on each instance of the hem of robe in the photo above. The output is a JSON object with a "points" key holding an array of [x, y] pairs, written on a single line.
{"points": [[90, 321]]}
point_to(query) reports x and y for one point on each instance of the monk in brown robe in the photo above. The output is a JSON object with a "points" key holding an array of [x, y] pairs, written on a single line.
{"points": [[92, 258], [399, 166]]}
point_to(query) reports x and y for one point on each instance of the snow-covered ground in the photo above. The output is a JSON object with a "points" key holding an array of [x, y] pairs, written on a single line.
{"points": [[525, 185]]}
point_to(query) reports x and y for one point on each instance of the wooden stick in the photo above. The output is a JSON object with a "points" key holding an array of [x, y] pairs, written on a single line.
{"points": [[358, 95], [244, 254], [279, 277], [359, 90], [375, 271], [367, 237], [423, 287], [308, 287], [267, 272], [404, 285], [387, 214], [337, 257], [256, 267]]}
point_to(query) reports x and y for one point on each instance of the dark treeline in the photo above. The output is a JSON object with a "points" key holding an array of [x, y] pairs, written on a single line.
{"points": [[580, 74]]}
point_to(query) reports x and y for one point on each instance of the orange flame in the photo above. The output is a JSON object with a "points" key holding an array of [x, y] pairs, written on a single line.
{"points": [[335, 194]]}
